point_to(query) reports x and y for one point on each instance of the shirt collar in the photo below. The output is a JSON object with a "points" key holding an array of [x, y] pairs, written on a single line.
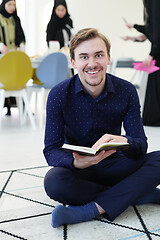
{"points": [[78, 85]]}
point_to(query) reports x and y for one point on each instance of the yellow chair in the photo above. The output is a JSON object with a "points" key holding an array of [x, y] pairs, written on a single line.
{"points": [[15, 71]]}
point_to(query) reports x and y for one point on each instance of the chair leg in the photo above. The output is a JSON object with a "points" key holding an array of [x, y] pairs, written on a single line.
{"points": [[26, 102], [42, 107], [35, 103], [32, 95], [2, 98], [143, 79], [20, 106]]}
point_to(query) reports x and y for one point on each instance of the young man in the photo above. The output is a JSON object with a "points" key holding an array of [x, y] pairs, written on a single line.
{"points": [[89, 109]]}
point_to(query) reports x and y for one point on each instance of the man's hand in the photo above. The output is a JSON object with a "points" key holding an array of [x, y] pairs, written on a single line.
{"points": [[109, 138], [83, 161]]}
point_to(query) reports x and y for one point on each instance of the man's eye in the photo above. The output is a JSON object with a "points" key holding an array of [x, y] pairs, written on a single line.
{"points": [[99, 55], [84, 57]]}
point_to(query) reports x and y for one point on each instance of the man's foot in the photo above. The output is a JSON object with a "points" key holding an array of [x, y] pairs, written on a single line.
{"points": [[73, 214]]}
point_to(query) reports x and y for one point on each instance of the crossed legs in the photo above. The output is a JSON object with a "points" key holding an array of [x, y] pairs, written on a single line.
{"points": [[87, 190]]}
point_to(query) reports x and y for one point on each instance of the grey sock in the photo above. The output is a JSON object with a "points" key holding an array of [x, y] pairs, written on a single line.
{"points": [[73, 214]]}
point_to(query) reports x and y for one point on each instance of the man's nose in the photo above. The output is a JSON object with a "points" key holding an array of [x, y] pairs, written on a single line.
{"points": [[92, 62]]}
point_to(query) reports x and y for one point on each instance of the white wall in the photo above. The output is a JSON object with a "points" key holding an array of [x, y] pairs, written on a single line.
{"points": [[105, 15]]}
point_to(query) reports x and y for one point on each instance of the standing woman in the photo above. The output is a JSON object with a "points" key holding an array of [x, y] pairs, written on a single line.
{"points": [[151, 112], [11, 34], [60, 24], [151, 30]]}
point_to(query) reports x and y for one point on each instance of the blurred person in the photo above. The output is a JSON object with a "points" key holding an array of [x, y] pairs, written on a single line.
{"points": [[11, 32], [11, 36], [60, 25], [151, 31]]}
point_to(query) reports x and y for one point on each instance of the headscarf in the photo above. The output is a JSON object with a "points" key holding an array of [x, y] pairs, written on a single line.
{"points": [[56, 24], [57, 3], [19, 34]]}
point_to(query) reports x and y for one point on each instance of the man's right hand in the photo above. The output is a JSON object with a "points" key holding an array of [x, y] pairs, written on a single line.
{"points": [[83, 161]]}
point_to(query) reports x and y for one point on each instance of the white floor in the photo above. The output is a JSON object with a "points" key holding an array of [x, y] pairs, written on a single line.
{"points": [[25, 210]]}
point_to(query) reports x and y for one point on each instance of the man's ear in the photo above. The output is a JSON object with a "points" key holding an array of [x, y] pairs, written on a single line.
{"points": [[73, 63], [109, 59]]}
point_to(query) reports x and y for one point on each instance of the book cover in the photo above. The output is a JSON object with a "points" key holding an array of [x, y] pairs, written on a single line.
{"points": [[152, 68]]}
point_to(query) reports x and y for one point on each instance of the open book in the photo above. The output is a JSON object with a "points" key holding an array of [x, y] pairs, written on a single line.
{"points": [[89, 151]]}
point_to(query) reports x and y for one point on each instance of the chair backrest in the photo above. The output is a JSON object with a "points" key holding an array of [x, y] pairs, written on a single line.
{"points": [[15, 70], [53, 69]]}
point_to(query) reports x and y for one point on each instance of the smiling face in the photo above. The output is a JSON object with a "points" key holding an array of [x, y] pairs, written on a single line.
{"points": [[10, 7], [60, 11], [91, 60]]}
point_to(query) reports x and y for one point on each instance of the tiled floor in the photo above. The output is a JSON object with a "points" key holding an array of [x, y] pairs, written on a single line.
{"points": [[25, 210]]}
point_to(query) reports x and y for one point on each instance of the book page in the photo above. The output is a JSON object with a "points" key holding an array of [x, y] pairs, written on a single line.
{"points": [[79, 149], [89, 151]]}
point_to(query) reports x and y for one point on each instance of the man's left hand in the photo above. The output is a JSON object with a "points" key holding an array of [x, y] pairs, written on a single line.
{"points": [[109, 138]]}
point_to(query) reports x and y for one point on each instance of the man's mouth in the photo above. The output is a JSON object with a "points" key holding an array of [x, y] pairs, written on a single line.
{"points": [[92, 71]]}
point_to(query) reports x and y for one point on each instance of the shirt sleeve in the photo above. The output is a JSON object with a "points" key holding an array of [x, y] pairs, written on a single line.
{"points": [[140, 28], [154, 38], [54, 133], [134, 128]]}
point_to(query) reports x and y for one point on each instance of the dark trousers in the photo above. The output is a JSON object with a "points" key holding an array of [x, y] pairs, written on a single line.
{"points": [[114, 185]]}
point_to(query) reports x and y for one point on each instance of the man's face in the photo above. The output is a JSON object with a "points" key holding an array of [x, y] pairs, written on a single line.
{"points": [[91, 60]]}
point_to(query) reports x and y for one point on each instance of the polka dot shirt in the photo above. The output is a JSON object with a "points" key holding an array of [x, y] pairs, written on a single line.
{"points": [[73, 116]]}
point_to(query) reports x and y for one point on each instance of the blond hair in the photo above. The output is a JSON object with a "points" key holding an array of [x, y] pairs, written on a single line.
{"points": [[84, 35]]}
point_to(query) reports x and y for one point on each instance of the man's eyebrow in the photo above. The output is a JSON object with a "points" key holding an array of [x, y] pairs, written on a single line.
{"points": [[82, 54], [101, 51]]}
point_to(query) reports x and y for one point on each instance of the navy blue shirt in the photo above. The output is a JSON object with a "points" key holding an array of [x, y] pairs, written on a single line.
{"points": [[73, 116]]}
